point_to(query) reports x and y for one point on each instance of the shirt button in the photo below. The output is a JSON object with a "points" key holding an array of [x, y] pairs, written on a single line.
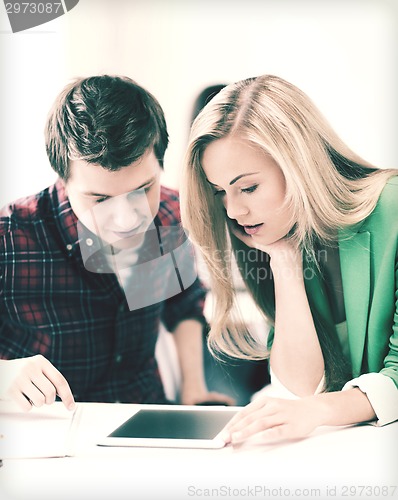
{"points": [[89, 242], [118, 358], [69, 247]]}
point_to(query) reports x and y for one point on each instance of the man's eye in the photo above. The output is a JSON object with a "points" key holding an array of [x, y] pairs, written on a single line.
{"points": [[250, 189], [142, 190]]}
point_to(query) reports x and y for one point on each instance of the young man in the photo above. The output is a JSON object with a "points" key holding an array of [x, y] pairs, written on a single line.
{"points": [[92, 265]]}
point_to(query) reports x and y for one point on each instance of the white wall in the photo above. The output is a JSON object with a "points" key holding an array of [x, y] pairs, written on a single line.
{"points": [[343, 53]]}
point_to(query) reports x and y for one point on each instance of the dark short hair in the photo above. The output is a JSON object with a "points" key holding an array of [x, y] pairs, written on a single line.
{"points": [[107, 120], [204, 97]]}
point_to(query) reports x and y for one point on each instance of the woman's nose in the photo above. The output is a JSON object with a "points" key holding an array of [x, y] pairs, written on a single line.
{"points": [[235, 208]]}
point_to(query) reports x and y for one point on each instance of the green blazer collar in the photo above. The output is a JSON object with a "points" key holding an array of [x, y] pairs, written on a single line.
{"points": [[354, 247]]}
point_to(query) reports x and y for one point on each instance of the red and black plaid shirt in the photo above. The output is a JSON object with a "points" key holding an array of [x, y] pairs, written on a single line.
{"points": [[50, 304]]}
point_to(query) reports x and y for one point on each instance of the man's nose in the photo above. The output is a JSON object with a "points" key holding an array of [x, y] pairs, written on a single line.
{"points": [[126, 215]]}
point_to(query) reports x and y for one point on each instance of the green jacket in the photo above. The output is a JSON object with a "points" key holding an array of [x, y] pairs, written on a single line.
{"points": [[369, 268]]}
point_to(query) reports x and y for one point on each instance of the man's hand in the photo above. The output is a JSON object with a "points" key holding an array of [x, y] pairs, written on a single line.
{"points": [[33, 381], [191, 397], [189, 343]]}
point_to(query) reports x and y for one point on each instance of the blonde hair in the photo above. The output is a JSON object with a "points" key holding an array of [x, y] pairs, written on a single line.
{"points": [[328, 187]]}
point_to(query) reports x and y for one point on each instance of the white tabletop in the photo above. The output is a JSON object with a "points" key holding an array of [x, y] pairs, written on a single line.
{"points": [[352, 462]]}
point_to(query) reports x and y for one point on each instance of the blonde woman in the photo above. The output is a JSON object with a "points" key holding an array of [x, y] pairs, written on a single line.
{"points": [[314, 230]]}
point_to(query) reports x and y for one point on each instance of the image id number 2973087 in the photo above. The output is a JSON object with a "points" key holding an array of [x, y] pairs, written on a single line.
{"points": [[33, 8], [368, 491]]}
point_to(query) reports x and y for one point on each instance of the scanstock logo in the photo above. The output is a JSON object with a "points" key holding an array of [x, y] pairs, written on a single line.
{"points": [[25, 15]]}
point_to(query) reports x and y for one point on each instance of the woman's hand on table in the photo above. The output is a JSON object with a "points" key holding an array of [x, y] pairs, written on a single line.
{"points": [[272, 419]]}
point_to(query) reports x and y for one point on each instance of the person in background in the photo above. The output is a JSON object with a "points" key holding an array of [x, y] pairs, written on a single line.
{"points": [[314, 229], [204, 97], [92, 265]]}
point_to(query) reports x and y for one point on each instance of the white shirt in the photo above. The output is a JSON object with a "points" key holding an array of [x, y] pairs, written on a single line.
{"points": [[380, 389]]}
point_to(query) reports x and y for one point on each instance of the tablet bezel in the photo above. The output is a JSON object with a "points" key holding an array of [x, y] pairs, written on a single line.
{"points": [[215, 443]]}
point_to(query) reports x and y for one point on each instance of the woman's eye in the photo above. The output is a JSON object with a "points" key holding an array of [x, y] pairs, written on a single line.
{"points": [[100, 200], [250, 189], [219, 192]]}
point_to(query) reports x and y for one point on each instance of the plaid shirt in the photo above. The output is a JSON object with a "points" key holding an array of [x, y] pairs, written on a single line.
{"points": [[51, 304]]}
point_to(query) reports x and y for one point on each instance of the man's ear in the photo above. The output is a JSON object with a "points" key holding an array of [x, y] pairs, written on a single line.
{"points": [[64, 184]]}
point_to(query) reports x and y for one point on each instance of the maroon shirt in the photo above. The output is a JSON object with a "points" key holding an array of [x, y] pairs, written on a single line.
{"points": [[50, 304]]}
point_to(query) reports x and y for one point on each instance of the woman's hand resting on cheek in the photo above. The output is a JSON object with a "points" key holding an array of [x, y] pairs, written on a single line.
{"points": [[271, 419], [283, 254]]}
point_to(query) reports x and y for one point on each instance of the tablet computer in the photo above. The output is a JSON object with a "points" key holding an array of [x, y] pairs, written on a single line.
{"points": [[176, 427]]}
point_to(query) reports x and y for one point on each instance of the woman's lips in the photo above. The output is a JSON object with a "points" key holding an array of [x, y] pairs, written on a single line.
{"points": [[252, 229], [244, 230]]}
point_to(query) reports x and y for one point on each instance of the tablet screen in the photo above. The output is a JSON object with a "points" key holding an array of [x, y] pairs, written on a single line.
{"points": [[174, 424]]}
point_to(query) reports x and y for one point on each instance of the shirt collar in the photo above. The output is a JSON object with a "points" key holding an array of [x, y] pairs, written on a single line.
{"points": [[65, 217]]}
